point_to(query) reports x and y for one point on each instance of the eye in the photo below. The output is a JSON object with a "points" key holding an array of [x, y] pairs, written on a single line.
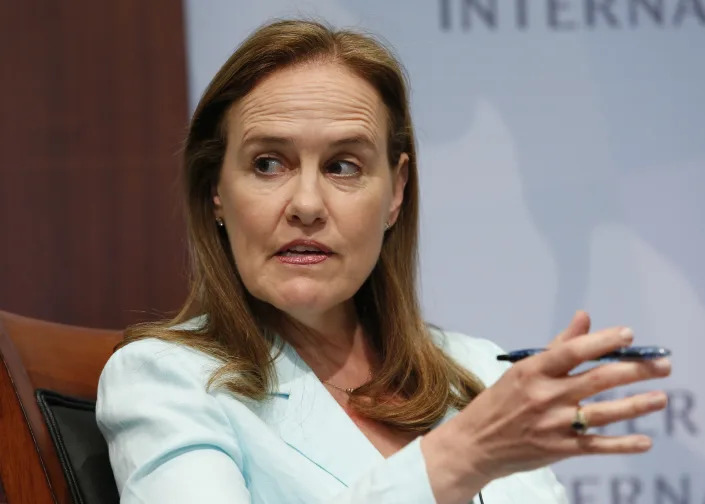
{"points": [[267, 165], [343, 168]]}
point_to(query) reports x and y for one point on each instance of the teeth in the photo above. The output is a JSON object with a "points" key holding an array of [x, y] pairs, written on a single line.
{"points": [[302, 248]]}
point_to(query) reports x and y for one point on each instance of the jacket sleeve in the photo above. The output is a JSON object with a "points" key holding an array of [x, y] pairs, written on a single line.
{"points": [[170, 441]]}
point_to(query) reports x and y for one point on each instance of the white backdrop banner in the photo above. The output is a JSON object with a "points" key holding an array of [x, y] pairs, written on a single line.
{"points": [[562, 163]]}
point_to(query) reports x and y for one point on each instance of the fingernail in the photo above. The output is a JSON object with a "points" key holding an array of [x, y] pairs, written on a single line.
{"points": [[627, 335], [656, 400], [662, 365], [643, 443]]}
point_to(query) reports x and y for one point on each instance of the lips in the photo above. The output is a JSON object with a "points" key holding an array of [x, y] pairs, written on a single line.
{"points": [[303, 252]]}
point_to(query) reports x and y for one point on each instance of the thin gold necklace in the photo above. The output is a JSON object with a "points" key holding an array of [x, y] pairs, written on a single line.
{"points": [[352, 390]]}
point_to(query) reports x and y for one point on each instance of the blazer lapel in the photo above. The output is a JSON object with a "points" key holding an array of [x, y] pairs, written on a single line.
{"points": [[307, 418]]}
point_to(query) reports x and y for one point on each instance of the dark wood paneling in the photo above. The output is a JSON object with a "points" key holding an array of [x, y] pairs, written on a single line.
{"points": [[94, 109]]}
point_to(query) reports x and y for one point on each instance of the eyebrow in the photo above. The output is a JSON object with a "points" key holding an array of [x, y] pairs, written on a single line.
{"points": [[362, 140], [267, 139]]}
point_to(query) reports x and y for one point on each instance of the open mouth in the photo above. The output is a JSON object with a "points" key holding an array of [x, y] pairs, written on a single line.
{"points": [[303, 252]]}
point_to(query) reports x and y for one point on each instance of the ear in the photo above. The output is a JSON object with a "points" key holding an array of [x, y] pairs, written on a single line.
{"points": [[400, 175], [217, 204]]}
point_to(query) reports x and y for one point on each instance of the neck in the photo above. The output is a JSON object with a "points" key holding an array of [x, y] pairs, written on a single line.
{"points": [[333, 344]]}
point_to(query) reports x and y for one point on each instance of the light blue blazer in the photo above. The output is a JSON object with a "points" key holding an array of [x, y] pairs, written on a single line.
{"points": [[173, 442]]}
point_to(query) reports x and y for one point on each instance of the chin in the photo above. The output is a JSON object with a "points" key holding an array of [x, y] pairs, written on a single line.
{"points": [[306, 297]]}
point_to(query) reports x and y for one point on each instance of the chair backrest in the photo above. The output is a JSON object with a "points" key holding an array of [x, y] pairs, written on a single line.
{"points": [[48, 382]]}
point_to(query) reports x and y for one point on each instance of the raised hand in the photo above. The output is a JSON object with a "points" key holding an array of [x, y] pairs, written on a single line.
{"points": [[523, 421]]}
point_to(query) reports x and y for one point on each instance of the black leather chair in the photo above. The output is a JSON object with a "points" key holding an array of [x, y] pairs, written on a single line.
{"points": [[51, 450]]}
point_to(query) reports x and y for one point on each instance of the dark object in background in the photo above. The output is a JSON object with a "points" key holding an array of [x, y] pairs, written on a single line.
{"points": [[94, 111], [82, 450]]}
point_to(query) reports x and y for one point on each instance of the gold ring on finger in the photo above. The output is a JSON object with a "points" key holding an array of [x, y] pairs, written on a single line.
{"points": [[580, 423]]}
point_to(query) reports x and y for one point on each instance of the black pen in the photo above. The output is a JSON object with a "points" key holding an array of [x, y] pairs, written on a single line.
{"points": [[632, 353]]}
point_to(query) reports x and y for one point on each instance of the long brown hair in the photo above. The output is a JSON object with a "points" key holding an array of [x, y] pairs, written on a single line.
{"points": [[236, 330]]}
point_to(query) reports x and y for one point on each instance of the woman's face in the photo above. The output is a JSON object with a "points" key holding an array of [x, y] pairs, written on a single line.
{"points": [[306, 188]]}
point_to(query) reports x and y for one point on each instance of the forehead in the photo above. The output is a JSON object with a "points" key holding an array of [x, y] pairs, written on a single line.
{"points": [[325, 98]]}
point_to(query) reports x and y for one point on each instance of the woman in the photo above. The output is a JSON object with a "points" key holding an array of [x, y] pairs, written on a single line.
{"points": [[308, 374]]}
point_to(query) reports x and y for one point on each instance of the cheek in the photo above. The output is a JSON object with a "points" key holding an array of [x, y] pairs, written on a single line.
{"points": [[363, 229], [250, 223]]}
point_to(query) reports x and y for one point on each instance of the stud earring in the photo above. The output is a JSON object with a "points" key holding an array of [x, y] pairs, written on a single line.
{"points": [[387, 226], [220, 222]]}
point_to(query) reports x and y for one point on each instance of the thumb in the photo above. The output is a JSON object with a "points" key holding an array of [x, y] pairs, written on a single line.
{"points": [[579, 325]]}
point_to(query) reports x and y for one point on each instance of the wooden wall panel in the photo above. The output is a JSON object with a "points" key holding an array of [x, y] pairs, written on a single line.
{"points": [[94, 110]]}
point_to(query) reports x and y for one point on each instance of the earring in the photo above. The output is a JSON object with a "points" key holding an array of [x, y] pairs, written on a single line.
{"points": [[219, 221], [387, 226]]}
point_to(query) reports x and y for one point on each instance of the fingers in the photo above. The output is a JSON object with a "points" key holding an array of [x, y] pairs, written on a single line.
{"points": [[600, 378], [579, 325], [603, 413], [607, 412], [606, 445], [562, 358]]}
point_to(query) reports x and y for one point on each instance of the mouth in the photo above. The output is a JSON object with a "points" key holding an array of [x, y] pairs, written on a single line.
{"points": [[303, 252]]}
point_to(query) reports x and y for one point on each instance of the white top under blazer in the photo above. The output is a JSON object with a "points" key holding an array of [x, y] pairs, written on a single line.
{"points": [[172, 441]]}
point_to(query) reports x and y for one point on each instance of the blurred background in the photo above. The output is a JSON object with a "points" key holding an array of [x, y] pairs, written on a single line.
{"points": [[94, 110], [562, 159]]}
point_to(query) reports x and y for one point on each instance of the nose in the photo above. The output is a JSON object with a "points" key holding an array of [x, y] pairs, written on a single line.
{"points": [[306, 205]]}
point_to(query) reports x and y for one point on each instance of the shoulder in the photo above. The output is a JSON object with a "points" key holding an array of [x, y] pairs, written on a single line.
{"points": [[151, 375], [156, 359], [161, 359], [477, 355], [147, 377]]}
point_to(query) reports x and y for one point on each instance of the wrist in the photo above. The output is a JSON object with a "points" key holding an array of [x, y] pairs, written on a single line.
{"points": [[451, 465]]}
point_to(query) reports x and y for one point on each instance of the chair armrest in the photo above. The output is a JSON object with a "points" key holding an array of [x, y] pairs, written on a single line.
{"points": [[21, 469]]}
